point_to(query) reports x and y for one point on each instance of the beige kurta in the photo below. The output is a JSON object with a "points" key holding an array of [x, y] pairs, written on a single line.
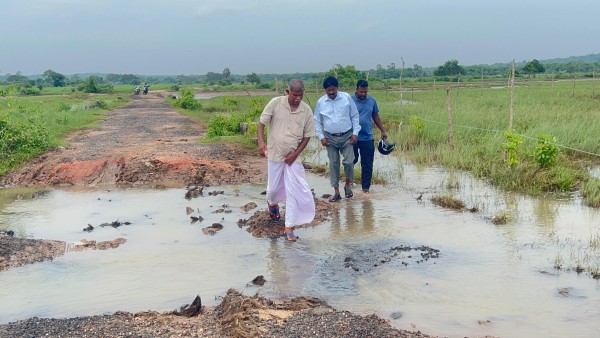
{"points": [[286, 128]]}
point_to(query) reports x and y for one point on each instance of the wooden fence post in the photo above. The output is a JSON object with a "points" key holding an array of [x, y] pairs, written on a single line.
{"points": [[512, 96], [450, 127]]}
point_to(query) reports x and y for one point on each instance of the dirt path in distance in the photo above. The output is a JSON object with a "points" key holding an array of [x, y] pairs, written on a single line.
{"points": [[144, 143]]}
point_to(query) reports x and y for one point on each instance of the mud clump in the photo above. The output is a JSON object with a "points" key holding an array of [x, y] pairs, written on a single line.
{"points": [[104, 245], [367, 259], [261, 225], [16, 252]]}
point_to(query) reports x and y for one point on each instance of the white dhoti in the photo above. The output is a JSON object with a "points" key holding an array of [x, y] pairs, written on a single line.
{"points": [[287, 183]]}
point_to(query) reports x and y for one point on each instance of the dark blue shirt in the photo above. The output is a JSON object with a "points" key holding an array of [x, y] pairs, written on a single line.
{"points": [[366, 109]]}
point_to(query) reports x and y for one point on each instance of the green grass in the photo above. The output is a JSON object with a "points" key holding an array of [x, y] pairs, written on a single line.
{"points": [[480, 117], [56, 115]]}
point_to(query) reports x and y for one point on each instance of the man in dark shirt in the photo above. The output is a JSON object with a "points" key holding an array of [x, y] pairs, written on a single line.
{"points": [[365, 146]]}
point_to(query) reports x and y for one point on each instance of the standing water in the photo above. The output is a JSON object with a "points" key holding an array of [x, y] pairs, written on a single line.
{"points": [[488, 279]]}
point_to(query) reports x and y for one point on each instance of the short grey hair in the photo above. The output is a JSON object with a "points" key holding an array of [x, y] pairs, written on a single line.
{"points": [[296, 84]]}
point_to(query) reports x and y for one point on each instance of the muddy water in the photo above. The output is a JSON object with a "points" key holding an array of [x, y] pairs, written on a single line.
{"points": [[488, 279]]}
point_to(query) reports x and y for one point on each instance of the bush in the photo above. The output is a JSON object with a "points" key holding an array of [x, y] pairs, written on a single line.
{"points": [[224, 125], [89, 85], [19, 138], [64, 106], [29, 91], [187, 100]]}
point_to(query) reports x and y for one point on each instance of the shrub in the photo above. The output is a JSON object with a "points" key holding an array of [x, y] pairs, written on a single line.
{"points": [[18, 138], [546, 150], [419, 125], [186, 100], [29, 91], [63, 106], [89, 85], [513, 141], [230, 102], [223, 125]]}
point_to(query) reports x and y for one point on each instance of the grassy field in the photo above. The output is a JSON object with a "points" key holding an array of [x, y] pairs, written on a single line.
{"points": [[31, 124], [565, 112]]}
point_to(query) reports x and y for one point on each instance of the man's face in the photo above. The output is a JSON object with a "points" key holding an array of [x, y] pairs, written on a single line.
{"points": [[331, 92], [361, 93], [294, 96]]}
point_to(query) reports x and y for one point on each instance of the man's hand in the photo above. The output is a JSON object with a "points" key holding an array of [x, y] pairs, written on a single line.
{"points": [[290, 158], [324, 141], [384, 135], [353, 139], [262, 149]]}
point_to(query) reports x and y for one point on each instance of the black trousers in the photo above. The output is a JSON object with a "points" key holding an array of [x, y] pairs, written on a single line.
{"points": [[366, 151]]}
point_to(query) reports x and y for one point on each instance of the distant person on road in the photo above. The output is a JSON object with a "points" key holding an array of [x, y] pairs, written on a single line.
{"points": [[337, 126], [364, 148], [291, 126]]}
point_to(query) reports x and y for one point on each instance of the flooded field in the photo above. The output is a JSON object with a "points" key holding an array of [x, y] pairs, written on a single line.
{"points": [[487, 279]]}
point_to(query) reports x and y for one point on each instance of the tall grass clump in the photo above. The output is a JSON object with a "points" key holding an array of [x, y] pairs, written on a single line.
{"points": [[590, 191]]}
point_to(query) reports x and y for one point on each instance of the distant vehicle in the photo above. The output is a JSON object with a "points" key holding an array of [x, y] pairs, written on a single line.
{"points": [[137, 90], [146, 87]]}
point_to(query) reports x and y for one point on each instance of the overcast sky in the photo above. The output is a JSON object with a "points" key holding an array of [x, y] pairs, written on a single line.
{"points": [[282, 36]]}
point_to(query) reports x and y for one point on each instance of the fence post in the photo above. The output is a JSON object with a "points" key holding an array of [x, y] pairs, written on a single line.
{"points": [[450, 127], [512, 96]]}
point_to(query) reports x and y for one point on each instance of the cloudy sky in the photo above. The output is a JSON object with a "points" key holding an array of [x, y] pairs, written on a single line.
{"points": [[284, 36]]}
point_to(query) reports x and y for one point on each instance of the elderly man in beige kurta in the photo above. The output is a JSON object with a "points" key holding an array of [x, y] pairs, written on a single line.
{"points": [[291, 125]]}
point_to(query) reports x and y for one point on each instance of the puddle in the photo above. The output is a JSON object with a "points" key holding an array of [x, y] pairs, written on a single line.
{"points": [[488, 279]]}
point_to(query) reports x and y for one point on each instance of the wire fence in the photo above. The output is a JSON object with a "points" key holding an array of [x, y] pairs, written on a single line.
{"points": [[498, 131]]}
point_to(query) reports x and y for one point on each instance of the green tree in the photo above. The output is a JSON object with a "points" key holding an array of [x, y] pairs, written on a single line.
{"points": [[450, 68], [533, 67], [212, 77], [226, 74], [54, 78], [253, 78], [17, 78], [90, 85], [347, 76]]}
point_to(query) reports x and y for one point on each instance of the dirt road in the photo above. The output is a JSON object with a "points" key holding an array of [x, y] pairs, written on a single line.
{"points": [[144, 143]]}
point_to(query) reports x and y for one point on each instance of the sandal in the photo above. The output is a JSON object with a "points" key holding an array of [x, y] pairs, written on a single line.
{"points": [[289, 236], [348, 192], [274, 212], [335, 198]]}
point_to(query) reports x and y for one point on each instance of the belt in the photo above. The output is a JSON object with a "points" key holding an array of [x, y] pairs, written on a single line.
{"points": [[340, 134]]}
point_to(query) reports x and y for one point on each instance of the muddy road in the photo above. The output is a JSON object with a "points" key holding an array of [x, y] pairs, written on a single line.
{"points": [[144, 144]]}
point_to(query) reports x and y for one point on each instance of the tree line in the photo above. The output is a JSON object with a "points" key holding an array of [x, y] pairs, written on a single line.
{"points": [[583, 66]]}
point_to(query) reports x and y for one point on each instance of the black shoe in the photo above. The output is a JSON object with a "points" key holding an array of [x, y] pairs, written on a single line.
{"points": [[335, 198], [348, 192]]}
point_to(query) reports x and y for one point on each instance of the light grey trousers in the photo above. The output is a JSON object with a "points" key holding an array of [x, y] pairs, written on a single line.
{"points": [[340, 145]]}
